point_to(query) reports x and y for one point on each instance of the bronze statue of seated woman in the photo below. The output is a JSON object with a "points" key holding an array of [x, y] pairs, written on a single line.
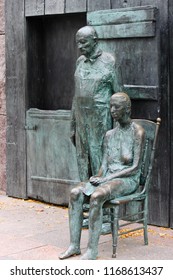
{"points": [[119, 175]]}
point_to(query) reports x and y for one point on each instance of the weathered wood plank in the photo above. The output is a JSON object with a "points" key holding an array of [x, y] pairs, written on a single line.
{"points": [[15, 98], [98, 5], [34, 7], [74, 6], [120, 16], [54, 7], [142, 92], [160, 191], [53, 191], [131, 30], [171, 101]]}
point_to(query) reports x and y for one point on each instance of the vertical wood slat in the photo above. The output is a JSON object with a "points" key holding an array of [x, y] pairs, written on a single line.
{"points": [[171, 100], [34, 7], [74, 6], [54, 7], [98, 5], [161, 191], [15, 98]]}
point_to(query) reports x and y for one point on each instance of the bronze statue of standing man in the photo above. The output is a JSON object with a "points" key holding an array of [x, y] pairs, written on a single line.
{"points": [[96, 79]]}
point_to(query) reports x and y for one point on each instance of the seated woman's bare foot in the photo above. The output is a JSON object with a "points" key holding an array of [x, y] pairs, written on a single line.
{"points": [[89, 255], [71, 251]]}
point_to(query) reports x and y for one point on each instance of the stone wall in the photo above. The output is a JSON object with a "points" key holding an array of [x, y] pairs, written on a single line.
{"points": [[2, 101]]}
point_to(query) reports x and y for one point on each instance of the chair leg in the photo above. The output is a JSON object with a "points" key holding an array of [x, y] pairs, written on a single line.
{"points": [[145, 221], [114, 228]]}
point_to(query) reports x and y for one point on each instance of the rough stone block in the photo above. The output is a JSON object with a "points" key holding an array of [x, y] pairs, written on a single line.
{"points": [[2, 101], [2, 153], [2, 74], [2, 17]]}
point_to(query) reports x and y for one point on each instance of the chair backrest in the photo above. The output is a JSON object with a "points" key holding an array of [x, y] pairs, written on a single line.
{"points": [[151, 131]]}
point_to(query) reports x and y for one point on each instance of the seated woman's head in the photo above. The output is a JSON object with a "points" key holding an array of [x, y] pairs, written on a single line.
{"points": [[120, 106]]}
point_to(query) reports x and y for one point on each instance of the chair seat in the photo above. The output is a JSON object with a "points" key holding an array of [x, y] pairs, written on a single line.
{"points": [[125, 199]]}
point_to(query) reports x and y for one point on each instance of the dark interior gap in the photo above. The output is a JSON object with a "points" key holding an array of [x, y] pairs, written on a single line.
{"points": [[51, 59]]}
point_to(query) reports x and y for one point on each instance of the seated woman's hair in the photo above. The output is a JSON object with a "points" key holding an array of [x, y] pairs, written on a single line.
{"points": [[124, 99]]}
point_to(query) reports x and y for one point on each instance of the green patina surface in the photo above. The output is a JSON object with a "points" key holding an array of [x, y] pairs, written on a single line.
{"points": [[51, 162], [120, 16], [143, 29], [123, 23]]}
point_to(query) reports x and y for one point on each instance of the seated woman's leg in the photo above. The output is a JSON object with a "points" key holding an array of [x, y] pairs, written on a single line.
{"points": [[120, 187], [102, 194], [97, 199], [77, 199]]}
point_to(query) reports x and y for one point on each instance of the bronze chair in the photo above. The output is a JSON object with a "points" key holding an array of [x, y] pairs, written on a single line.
{"points": [[141, 195]]}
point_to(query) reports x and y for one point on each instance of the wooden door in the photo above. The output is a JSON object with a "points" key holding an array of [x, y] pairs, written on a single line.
{"points": [[51, 157]]}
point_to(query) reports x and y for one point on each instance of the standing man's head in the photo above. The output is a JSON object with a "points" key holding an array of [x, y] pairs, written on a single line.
{"points": [[86, 39]]}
